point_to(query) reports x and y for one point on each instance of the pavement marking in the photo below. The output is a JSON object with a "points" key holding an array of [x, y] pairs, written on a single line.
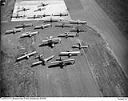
{"points": [[53, 7]]}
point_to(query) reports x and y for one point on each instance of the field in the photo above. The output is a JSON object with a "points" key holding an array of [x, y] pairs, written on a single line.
{"points": [[116, 10], [96, 72]]}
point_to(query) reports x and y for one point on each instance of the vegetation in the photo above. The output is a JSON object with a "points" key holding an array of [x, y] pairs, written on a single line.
{"points": [[117, 11]]}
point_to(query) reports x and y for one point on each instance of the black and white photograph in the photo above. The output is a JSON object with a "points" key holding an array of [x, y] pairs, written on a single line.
{"points": [[64, 48]]}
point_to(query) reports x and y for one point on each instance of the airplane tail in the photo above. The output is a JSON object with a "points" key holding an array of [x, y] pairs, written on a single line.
{"points": [[59, 59]]}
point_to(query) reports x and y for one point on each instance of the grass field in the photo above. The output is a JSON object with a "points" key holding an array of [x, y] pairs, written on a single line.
{"points": [[117, 11]]}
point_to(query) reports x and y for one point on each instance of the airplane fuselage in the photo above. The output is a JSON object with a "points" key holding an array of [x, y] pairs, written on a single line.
{"points": [[66, 35], [51, 42], [26, 56], [76, 30], [13, 31], [63, 63], [51, 20], [63, 25], [78, 22], [43, 26], [69, 54], [28, 34]]}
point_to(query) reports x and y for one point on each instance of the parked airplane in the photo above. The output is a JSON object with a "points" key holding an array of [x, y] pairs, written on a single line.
{"points": [[29, 34], [79, 46], [51, 20], [39, 9], [69, 53], [23, 9], [26, 56], [68, 35], [42, 61], [33, 17], [50, 42], [77, 30], [13, 31], [60, 14], [43, 26], [63, 25], [43, 4], [62, 63], [45, 15], [77, 22], [24, 25], [17, 16]]}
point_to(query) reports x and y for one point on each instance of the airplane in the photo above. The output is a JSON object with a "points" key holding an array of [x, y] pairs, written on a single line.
{"points": [[29, 34], [2, 2], [67, 35], [77, 30], [50, 42], [79, 46], [64, 25], [13, 31], [33, 17], [60, 14], [17, 16], [77, 22], [62, 63], [43, 4], [26, 56], [45, 15], [24, 25], [43, 26], [42, 61], [69, 53], [23, 9], [39, 9], [51, 20]]}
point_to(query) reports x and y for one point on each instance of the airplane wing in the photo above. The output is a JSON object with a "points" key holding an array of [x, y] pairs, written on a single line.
{"points": [[69, 61], [63, 53], [44, 42], [8, 32], [55, 40], [19, 26], [62, 35], [20, 58], [56, 62], [32, 53], [38, 27], [75, 52], [24, 35], [18, 30], [36, 63], [75, 46], [49, 58]]}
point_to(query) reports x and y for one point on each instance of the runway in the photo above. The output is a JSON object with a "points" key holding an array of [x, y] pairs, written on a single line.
{"points": [[95, 73]]}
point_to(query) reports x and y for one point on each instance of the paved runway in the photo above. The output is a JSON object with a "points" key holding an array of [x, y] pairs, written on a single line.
{"points": [[78, 79]]}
